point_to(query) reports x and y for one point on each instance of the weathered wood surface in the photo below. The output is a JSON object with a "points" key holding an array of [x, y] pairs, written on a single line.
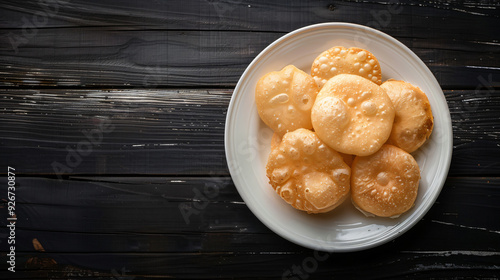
{"points": [[135, 223], [154, 78], [134, 131], [117, 205], [179, 131], [387, 264], [210, 43]]}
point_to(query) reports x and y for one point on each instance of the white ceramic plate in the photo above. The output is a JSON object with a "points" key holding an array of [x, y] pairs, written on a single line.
{"points": [[247, 141]]}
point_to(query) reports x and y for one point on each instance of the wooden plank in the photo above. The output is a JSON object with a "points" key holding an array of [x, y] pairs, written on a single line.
{"points": [[211, 43], [137, 206], [250, 15], [159, 205], [168, 131], [476, 148], [376, 264], [115, 57], [105, 224], [131, 132]]}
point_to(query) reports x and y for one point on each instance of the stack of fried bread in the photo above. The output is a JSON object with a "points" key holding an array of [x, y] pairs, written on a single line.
{"points": [[340, 132]]}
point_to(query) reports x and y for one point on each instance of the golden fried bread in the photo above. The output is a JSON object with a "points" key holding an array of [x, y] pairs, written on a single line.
{"points": [[413, 122], [308, 174], [352, 115], [339, 60], [385, 183], [284, 99]]}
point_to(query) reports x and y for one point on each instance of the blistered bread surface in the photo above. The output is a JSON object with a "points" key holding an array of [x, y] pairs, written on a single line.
{"points": [[307, 174], [339, 60], [386, 183], [352, 115], [284, 99], [413, 122]]}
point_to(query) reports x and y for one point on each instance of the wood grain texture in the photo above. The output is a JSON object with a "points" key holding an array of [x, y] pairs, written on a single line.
{"points": [[147, 85], [109, 223], [169, 132], [135, 131], [391, 264], [279, 16], [210, 43], [149, 206]]}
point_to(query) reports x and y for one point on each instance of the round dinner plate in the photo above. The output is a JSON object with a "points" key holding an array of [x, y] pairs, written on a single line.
{"points": [[247, 141]]}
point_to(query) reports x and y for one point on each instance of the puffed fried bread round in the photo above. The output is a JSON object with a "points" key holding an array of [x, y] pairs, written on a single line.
{"points": [[284, 99], [352, 115], [307, 174], [413, 122], [339, 60], [385, 183]]}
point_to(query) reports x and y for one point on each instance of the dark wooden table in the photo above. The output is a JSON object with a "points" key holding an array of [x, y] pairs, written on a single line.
{"points": [[113, 112]]}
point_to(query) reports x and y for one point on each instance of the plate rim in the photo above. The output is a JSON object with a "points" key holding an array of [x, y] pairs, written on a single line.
{"points": [[281, 231]]}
